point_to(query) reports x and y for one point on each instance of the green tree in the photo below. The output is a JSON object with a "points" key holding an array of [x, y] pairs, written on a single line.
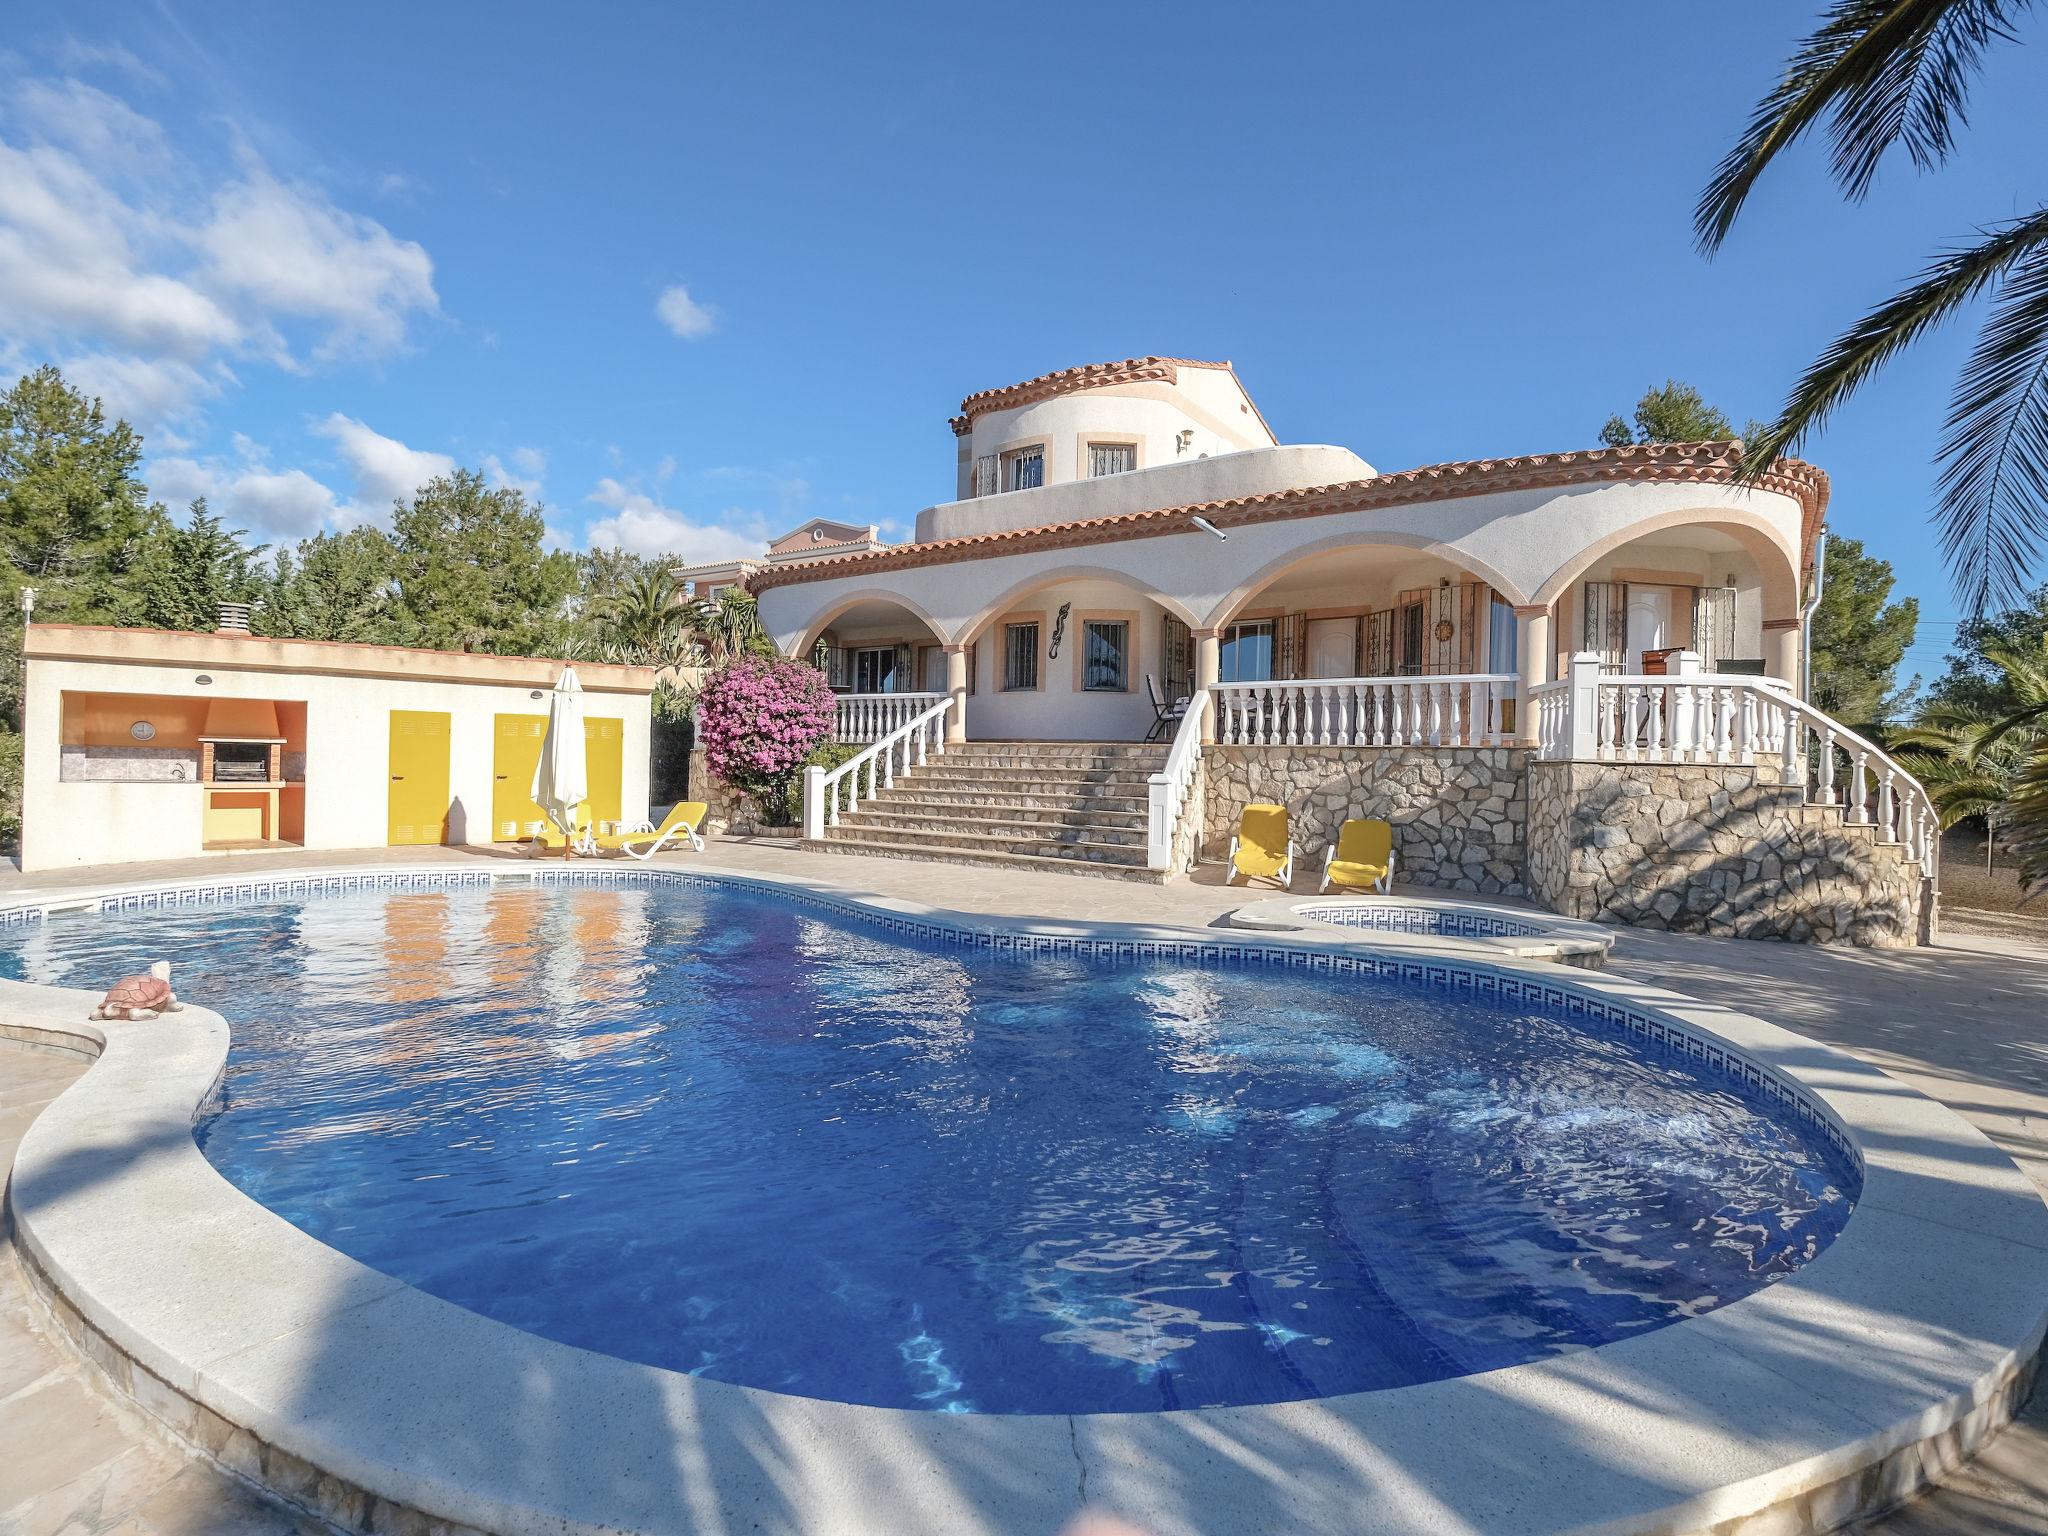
{"points": [[73, 509], [1974, 682], [334, 586], [470, 571], [1860, 636], [182, 575], [1674, 413], [1880, 74], [1993, 762]]}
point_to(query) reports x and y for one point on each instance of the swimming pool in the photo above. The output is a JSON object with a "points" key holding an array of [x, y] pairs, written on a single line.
{"points": [[772, 1144]]}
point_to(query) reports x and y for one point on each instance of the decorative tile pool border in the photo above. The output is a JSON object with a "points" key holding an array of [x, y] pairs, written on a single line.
{"points": [[1415, 917], [1474, 976]]}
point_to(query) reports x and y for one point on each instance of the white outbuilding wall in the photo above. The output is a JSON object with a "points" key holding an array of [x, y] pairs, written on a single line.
{"points": [[348, 693]]}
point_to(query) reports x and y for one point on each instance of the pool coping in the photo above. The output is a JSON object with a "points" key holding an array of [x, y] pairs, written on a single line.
{"points": [[1827, 1396], [1564, 940]]}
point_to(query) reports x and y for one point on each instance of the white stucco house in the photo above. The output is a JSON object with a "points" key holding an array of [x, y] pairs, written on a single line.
{"points": [[1453, 647], [1143, 514]]}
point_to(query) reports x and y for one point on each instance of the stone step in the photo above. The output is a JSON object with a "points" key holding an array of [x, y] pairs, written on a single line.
{"points": [[1080, 850], [980, 800], [1144, 749], [1030, 773], [999, 822], [886, 848], [1135, 767]]}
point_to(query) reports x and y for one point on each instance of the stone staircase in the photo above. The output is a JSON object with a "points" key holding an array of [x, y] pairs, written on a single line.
{"points": [[1071, 806]]}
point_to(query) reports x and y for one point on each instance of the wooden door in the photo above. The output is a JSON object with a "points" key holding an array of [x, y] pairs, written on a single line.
{"points": [[419, 777], [604, 760], [515, 753]]}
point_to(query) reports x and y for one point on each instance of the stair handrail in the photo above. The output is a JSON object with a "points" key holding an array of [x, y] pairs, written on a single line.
{"points": [[866, 774], [1166, 791], [1904, 812]]}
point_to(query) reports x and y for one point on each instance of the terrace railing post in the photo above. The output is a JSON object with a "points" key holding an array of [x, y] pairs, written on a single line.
{"points": [[814, 802], [1582, 707]]}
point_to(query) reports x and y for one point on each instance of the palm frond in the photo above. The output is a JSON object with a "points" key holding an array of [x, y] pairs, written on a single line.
{"points": [[1880, 71], [2026, 828], [1933, 296], [1993, 513]]}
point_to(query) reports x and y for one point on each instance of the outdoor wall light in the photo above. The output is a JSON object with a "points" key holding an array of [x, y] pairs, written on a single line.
{"points": [[1208, 527], [203, 680], [535, 694]]}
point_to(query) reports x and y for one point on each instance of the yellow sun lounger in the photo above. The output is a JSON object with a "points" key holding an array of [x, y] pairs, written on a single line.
{"points": [[547, 837], [1263, 848], [1363, 856], [679, 825]]}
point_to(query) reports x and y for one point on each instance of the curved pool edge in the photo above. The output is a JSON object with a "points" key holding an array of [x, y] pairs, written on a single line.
{"points": [[1826, 1397], [1545, 936]]}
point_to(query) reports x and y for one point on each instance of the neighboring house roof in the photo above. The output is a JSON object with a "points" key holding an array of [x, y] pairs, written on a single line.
{"points": [[1067, 381], [1708, 463], [863, 537], [806, 535]]}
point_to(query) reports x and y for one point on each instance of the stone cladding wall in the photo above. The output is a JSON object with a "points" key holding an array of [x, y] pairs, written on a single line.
{"points": [[1704, 848], [1458, 813]]}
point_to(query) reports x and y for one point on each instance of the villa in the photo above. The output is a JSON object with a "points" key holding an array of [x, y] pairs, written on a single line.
{"points": [[1573, 676], [739, 1185]]}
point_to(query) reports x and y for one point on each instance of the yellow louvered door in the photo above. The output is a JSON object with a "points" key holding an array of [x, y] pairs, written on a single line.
{"points": [[604, 759], [419, 777], [515, 753]]}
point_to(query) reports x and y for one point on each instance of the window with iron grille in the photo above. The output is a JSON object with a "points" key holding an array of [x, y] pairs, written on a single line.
{"points": [[1020, 657], [1177, 658], [1378, 643], [1112, 458], [986, 481], [1024, 469], [1105, 656]]}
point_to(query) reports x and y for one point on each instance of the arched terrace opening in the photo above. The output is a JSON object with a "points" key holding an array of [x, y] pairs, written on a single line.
{"points": [[1424, 646], [1714, 584], [1080, 653], [885, 661]]}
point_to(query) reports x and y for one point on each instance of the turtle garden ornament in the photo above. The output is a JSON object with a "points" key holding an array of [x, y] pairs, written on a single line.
{"points": [[140, 997]]}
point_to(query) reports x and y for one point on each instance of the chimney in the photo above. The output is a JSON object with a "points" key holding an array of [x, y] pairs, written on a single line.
{"points": [[234, 619]]}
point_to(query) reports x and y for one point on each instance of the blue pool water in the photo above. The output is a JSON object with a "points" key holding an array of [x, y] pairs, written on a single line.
{"points": [[728, 1134]]}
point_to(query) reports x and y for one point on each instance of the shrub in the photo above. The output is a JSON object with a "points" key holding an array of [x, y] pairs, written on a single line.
{"points": [[758, 719]]}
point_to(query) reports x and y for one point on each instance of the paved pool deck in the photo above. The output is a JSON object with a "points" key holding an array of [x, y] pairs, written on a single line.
{"points": [[1965, 1022]]}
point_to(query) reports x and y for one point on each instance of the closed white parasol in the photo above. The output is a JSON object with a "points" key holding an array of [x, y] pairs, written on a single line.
{"points": [[561, 779]]}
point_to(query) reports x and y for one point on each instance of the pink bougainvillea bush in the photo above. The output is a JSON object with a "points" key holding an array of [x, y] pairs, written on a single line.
{"points": [[758, 718]]}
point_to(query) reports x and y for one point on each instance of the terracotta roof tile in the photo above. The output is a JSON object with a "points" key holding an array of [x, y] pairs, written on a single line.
{"points": [[1066, 381], [1702, 463]]}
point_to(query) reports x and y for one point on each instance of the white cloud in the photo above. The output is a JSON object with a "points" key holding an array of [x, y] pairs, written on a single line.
{"points": [[684, 315], [117, 246], [666, 468], [385, 469], [148, 392], [289, 252], [524, 475], [75, 53], [643, 526], [271, 504]]}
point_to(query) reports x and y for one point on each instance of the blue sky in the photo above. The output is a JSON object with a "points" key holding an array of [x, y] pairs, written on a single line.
{"points": [[692, 275]]}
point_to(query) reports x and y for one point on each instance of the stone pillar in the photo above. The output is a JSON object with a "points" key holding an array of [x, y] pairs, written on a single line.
{"points": [[957, 659], [1208, 667], [1532, 660], [1781, 650]]}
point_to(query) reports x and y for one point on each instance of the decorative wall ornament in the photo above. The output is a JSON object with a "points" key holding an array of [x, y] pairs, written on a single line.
{"points": [[1059, 629], [142, 730]]}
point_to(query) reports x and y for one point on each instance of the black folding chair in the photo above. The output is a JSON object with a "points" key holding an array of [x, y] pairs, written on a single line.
{"points": [[1165, 716]]}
